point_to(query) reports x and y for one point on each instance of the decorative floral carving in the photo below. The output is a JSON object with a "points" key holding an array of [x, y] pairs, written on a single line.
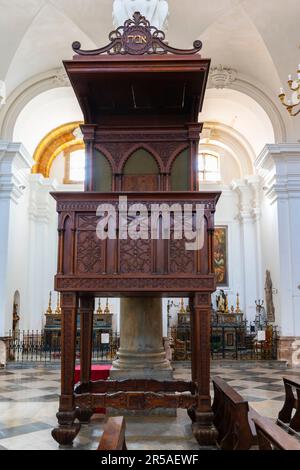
{"points": [[221, 77], [89, 253], [118, 283], [181, 260], [135, 256]]}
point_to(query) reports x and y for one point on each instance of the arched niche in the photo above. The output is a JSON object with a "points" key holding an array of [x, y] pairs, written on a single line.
{"points": [[180, 172], [141, 172], [102, 174]]}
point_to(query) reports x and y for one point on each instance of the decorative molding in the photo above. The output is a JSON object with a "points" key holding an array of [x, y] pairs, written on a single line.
{"points": [[248, 191], [22, 95], [56, 141], [14, 165], [156, 11], [279, 167], [2, 93], [41, 205], [61, 78], [269, 102], [236, 144], [133, 284], [222, 77]]}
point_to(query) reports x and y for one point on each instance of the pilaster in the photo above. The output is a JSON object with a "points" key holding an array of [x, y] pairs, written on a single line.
{"points": [[279, 166], [249, 219], [15, 164]]}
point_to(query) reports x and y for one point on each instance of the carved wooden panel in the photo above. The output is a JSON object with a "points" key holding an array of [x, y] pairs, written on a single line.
{"points": [[136, 182], [89, 256], [135, 256], [181, 260]]}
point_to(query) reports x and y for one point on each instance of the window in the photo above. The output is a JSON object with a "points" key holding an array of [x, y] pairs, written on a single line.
{"points": [[209, 167], [75, 167]]}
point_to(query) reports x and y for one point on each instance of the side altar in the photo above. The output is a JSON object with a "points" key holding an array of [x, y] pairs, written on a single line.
{"points": [[102, 325], [141, 100]]}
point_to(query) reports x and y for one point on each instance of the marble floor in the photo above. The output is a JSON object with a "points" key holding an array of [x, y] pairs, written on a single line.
{"points": [[29, 402]]}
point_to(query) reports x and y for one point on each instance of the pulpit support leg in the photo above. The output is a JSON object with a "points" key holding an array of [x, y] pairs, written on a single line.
{"points": [[67, 430], [87, 307], [202, 416]]}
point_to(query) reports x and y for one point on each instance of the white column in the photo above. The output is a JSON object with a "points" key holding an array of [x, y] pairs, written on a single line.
{"points": [[15, 164], [42, 249], [279, 165], [248, 217]]}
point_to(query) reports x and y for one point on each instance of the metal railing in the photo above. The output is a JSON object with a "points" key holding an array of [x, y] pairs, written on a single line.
{"points": [[234, 342], [37, 346]]}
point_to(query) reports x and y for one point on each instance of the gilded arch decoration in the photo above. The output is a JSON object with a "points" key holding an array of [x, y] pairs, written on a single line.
{"points": [[58, 140]]}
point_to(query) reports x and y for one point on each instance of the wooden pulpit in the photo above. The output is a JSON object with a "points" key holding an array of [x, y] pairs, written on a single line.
{"points": [[139, 97]]}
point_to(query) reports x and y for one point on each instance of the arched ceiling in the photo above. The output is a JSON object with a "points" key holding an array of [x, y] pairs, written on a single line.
{"points": [[241, 113], [44, 113], [259, 38]]}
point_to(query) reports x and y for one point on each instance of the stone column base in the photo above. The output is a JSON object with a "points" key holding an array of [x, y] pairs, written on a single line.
{"points": [[289, 350], [142, 373]]}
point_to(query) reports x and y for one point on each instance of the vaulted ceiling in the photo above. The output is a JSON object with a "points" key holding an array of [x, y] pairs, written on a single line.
{"points": [[260, 38]]}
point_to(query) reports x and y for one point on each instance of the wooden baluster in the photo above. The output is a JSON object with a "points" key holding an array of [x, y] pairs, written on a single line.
{"points": [[87, 307], [203, 427], [67, 430]]}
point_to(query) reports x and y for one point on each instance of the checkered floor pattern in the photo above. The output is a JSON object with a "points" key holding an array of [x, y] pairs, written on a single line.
{"points": [[29, 402]]}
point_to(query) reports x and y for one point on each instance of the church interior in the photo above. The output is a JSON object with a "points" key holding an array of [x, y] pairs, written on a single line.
{"points": [[117, 330]]}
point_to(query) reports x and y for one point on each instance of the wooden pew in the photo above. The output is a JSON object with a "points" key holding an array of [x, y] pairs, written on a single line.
{"points": [[233, 418], [113, 437], [291, 402], [270, 436]]}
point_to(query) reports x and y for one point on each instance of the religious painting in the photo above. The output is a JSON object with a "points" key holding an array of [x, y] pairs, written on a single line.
{"points": [[221, 255]]}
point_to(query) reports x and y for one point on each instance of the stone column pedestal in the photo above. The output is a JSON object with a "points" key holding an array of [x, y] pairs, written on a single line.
{"points": [[289, 350], [141, 354]]}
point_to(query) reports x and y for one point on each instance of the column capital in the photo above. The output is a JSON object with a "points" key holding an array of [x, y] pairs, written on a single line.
{"points": [[279, 167], [40, 201], [248, 193], [15, 164]]}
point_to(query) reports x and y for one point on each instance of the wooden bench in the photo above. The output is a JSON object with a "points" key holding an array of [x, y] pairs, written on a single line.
{"points": [[291, 402], [270, 436], [233, 418], [113, 437]]}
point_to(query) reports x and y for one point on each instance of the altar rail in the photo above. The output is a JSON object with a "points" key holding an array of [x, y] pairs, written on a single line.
{"points": [[233, 342], [34, 346]]}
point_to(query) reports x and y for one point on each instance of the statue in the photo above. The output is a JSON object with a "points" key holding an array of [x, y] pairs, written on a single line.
{"points": [[155, 11], [221, 302], [16, 317], [269, 297]]}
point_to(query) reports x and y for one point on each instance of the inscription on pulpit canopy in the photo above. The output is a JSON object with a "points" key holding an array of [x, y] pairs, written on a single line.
{"points": [[136, 40]]}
